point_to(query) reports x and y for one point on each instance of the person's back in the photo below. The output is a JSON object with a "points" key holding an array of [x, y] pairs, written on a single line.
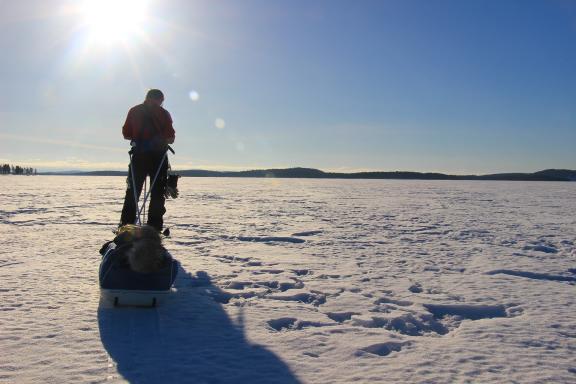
{"points": [[149, 128]]}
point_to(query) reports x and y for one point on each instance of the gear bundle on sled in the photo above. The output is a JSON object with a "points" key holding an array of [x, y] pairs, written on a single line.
{"points": [[136, 269], [125, 283]]}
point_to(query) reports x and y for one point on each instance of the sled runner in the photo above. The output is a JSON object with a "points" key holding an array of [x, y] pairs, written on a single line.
{"points": [[134, 298]]}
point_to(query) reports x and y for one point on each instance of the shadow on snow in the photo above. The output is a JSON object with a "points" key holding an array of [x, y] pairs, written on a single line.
{"points": [[188, 339]]}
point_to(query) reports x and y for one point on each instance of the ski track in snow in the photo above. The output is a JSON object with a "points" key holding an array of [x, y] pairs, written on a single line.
{"points": [[288, 280]]}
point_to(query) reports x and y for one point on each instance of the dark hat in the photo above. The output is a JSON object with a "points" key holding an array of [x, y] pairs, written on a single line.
{"points": [[155, 94]]}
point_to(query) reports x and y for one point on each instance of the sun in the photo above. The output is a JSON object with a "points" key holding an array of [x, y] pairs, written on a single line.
{"points": [[113, 21]]}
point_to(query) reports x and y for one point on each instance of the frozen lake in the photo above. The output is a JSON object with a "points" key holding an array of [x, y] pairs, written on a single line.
{"points": [[290, 280]]}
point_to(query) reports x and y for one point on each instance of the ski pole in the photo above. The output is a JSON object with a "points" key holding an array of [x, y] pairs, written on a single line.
{"points": [[134, 187]]}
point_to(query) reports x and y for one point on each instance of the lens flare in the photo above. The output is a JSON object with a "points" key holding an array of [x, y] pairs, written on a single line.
{"points": [[220, 123], [194, 96]]}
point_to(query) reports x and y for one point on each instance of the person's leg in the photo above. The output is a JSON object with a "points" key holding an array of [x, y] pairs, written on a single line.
{"points": [[129, 208], [157, 198]]}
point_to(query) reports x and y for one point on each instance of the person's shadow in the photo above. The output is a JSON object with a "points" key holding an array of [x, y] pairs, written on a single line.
{"points": [[187, 339]]}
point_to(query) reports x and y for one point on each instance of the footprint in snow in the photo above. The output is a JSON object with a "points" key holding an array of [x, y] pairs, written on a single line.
{"points": [[271, 239], [382, 349], [533, 275], [386, 300], [416, 288], [292, 323], [341, 317], [472, 312], [307, 233], [540, 248], [315, 299]]}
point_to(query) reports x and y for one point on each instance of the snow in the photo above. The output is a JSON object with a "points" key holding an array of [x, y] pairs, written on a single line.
{"points": [[288, 280]]}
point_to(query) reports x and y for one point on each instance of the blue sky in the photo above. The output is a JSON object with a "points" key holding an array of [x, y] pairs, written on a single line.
{"points": [[425, 85]]}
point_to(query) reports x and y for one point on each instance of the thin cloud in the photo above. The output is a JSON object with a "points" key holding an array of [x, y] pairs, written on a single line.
{"points": [[65, 143], [216, 167], [73, 164]]}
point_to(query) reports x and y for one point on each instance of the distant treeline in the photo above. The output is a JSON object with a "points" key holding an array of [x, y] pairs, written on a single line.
{"points": [[545, 175], [8, 169], [311, 173]]}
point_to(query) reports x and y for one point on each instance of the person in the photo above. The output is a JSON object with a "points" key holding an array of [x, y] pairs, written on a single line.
{"points": [[149, 128]]}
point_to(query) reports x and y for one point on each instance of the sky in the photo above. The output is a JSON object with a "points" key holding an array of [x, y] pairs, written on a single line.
{"points": [[462, 87]]}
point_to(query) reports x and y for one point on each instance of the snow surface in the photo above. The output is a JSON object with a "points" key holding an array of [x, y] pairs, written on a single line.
{"points": [[286, 280]]}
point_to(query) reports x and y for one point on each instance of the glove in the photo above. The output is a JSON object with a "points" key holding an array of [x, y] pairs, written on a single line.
{"points": [[171, 187]]}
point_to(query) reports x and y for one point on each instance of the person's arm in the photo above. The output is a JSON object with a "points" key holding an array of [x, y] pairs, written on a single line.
{"points": [[128, 128], [169, 133]]}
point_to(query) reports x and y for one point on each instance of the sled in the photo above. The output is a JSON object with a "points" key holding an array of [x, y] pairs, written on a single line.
{"points": [[123, 287], [134, 298]]}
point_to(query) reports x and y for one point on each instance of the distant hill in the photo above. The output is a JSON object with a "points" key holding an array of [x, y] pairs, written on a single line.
{"points": [[559, 173], [279, 173], [311, 173]]}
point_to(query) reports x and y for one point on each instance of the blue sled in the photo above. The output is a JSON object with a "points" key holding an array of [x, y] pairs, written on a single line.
{"points": [[124, 287]]}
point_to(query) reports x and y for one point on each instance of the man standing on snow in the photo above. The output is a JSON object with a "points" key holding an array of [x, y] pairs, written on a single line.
{"points": [[149, 128]]}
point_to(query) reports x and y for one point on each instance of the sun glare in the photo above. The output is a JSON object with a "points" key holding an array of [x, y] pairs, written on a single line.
{"points": [[112, 21]]}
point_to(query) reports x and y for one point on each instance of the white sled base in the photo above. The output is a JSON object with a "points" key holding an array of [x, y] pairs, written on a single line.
{"points": [[134, 298]]}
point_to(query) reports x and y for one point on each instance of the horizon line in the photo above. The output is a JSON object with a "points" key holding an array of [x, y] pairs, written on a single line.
{"points": [[356, 171]]}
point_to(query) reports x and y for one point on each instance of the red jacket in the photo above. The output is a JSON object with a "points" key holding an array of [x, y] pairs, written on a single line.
{"points": [[148, 122]]}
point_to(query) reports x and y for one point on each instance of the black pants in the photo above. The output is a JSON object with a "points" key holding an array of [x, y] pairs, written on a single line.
{"points": [[146, 164]]}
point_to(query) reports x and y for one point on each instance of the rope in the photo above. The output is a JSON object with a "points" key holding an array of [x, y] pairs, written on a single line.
{"points": [[152, 184], [134, 189], [144, 205]]}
